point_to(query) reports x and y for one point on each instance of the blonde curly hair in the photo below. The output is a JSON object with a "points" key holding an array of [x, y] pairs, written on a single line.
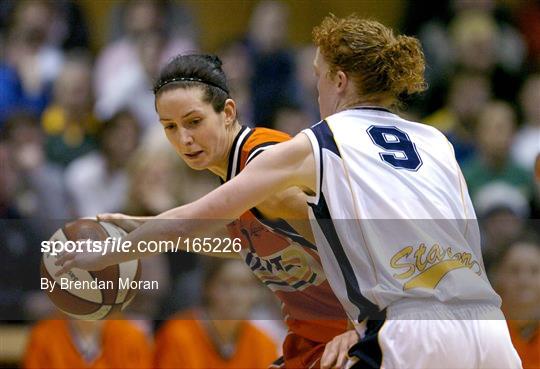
{"points": [[381, 65]]}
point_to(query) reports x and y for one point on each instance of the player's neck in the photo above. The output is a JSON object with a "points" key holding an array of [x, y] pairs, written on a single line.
{"points": [[220, 169], [351, 99], [354, 101]]}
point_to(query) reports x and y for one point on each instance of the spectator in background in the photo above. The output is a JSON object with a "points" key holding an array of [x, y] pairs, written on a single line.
{"points": [[473, 36], [33, 204], [516, 277], [177, 19], [502, 211], [69, 122], [217, 335], [469, 93], [306, 83], [483, 46], [463, 35], [31, 62], [237, 66], [492, 162], [67, 344], [98, 181], [528, 16], [68, 27], [291, 119], [19, 244], [429, 21], [126, 68], [40, 192], [526, 144], [271, 58], [8, 183]]}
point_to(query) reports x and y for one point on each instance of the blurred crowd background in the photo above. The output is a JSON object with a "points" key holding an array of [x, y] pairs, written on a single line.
{"points": [[79, 133]]}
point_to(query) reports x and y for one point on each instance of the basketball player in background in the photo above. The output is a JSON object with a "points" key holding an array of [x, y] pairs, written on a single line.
{"points": [[216, 334], [376, 185], [64, 343]]}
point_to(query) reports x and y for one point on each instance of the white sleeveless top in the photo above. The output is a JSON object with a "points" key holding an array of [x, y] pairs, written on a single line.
{"points": [[392, 216]]}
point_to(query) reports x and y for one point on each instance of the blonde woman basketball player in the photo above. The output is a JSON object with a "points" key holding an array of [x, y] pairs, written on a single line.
{"points": [[392, 218]]}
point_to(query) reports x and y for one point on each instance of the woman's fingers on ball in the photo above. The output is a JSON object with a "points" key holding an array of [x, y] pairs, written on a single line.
{"points": [[66, 268], [65, 256]]}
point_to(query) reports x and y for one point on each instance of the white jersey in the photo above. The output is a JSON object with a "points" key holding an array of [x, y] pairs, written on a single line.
{"points": [[391, 215]]}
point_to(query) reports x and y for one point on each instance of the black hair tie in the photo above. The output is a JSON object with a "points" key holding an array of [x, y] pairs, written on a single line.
{"points": [[188, 79]]}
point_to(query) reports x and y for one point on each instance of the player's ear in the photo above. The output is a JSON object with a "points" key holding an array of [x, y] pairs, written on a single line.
{"points": [[341, 80], [230, 111]]}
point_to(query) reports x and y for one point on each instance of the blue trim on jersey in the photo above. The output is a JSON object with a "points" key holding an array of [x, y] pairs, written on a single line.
{"points": [[325, 140], [283, 228], [325, 137], [367, 350], [322, 214], [377, 108]]}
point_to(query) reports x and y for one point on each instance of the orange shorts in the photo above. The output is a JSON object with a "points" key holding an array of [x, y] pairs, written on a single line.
{"points": [[299, 353]]}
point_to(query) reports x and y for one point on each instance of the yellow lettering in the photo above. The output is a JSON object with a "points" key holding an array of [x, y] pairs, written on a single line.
{"points": [[466, 259], [430, 265], [433, 275], [435, 254], [394, 263], [478, 267], [420, 265]]}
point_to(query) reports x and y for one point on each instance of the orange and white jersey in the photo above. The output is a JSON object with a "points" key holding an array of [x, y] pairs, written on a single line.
{"points": [[284, 261]]}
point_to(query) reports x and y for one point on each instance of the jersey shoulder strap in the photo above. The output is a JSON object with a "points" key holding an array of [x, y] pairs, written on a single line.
{"points": [[260, 140]]}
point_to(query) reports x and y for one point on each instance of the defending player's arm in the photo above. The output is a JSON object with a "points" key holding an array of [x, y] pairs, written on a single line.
{"points": [[127, 222], [286, 165]]}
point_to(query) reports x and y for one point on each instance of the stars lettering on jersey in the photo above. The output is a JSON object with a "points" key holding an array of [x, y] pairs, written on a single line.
{"points": [[425, 268]]}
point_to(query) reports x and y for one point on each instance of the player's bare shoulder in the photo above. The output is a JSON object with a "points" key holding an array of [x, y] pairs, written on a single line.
{"points": [[306, 158], [296, 157]]}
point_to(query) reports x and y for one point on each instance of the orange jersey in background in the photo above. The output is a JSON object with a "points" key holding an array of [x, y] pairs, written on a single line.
{"points": [[528, 350], [51, 345], [287, 264], [184, 342]]}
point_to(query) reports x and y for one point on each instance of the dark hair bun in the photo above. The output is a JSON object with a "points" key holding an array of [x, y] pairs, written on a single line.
{"points": [[195, 70], [214, 59]]}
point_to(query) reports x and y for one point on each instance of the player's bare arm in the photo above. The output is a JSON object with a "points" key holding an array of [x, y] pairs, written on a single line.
{"points": [[127, 222], [287, 164]]}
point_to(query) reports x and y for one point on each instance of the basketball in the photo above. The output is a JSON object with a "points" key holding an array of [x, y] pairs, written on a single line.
{"points": [[90, 295]]}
